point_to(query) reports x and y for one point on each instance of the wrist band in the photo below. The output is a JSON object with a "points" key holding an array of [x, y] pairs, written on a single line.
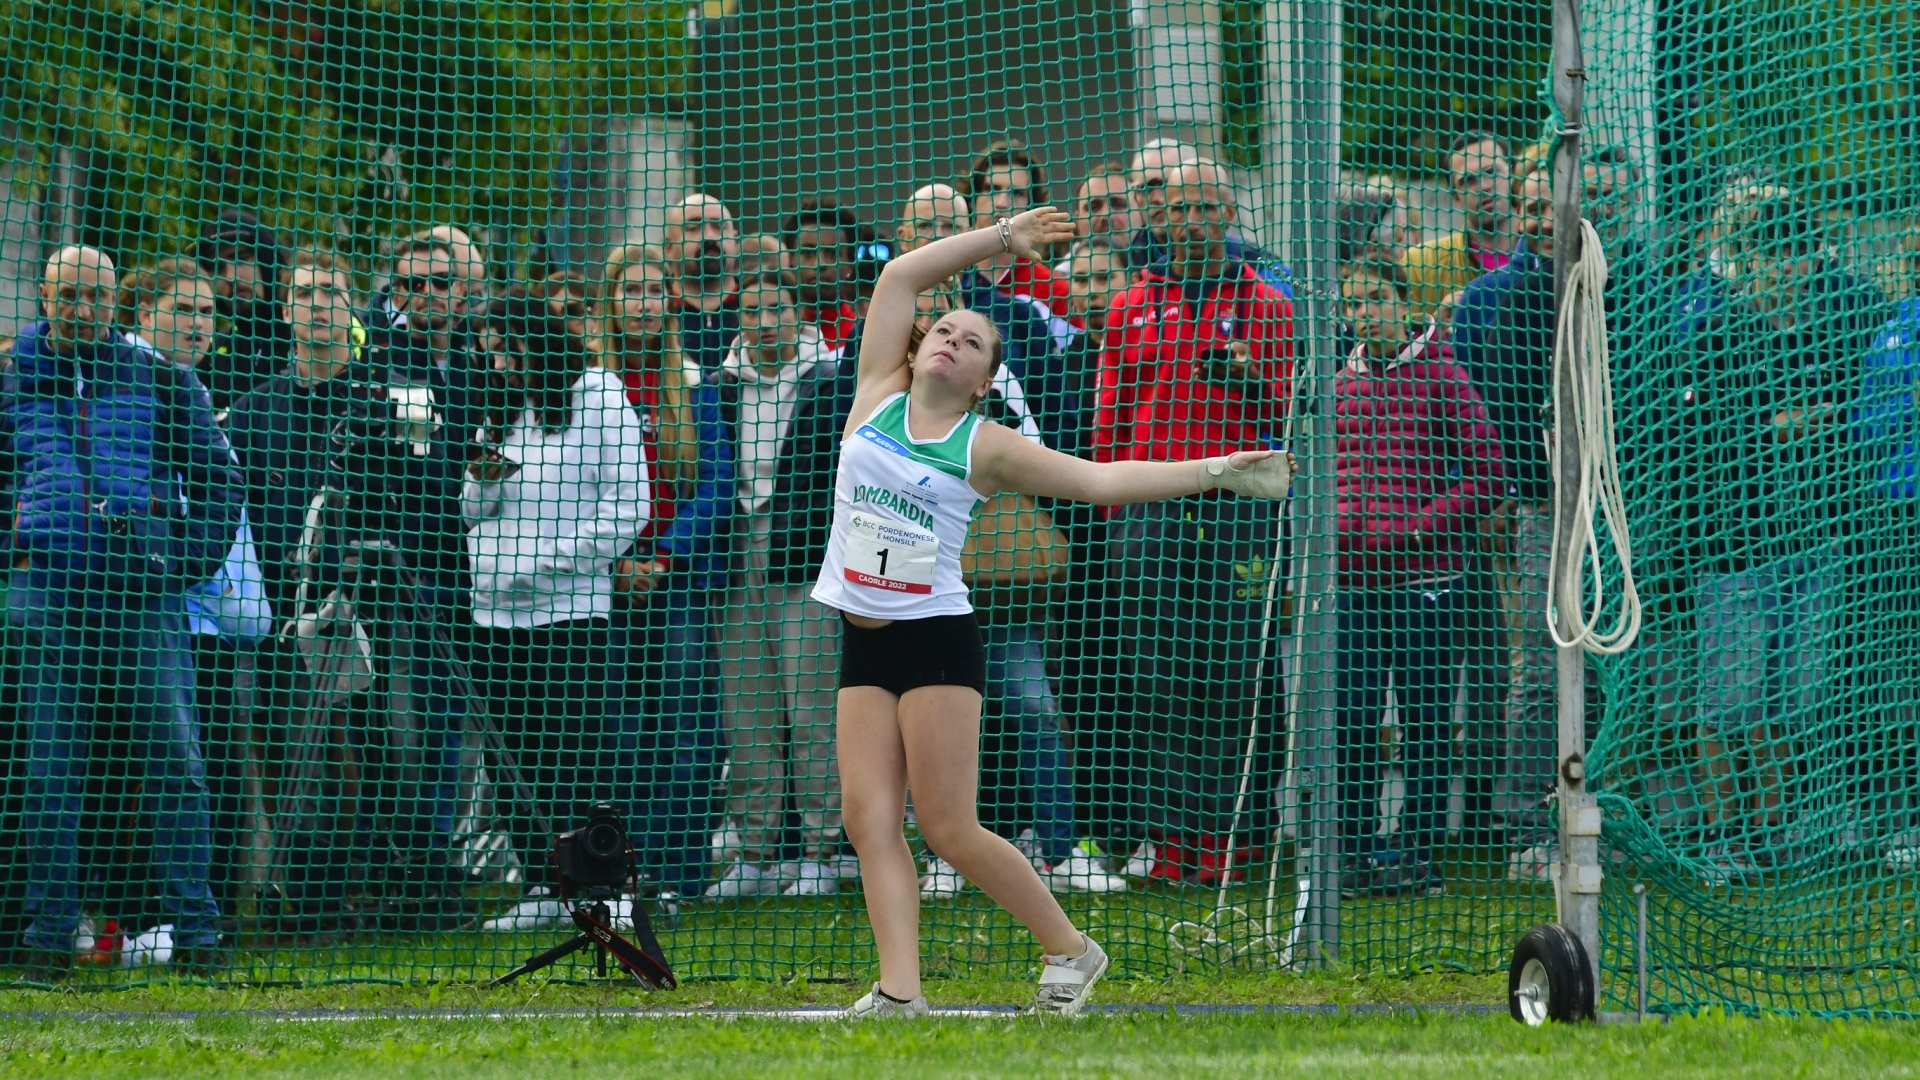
{"points": [[1005, 226]]}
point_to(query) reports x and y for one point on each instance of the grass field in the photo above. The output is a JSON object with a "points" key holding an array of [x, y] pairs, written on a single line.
{"points": [[358, 1030], [1150, 932], [1400, 1047]]}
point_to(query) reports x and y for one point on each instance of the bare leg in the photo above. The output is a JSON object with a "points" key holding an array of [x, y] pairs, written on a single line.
{"points": [[1723, 792], [941, 729], [873, 811], [1773, 771]]}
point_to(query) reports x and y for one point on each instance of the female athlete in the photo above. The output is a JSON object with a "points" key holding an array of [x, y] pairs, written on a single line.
{"points": [[915, 463]]}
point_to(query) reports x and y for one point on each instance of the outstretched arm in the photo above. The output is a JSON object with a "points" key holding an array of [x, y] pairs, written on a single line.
{"points": [[1008, 462], [883, 345]]}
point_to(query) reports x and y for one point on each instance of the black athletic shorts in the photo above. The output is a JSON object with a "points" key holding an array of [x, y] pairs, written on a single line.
{"points": [[906, 654]]}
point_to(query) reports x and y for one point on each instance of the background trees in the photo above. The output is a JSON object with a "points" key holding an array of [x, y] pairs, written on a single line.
{"points": [[349, 119]]}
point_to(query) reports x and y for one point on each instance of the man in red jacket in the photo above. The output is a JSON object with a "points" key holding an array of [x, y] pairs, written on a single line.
{"points": [[1197, 361], [1417, 464]]}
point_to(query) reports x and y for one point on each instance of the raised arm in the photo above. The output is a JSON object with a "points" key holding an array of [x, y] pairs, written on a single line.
{"points": [[883, 344], [1009, 462]]}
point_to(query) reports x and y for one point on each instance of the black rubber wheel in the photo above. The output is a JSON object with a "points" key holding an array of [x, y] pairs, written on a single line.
{"points": [[1550, 978]]}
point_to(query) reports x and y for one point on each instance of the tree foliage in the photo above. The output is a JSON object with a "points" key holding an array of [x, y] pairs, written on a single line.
{"points": [[348, 119], [1416, 74], [1805, 91]]}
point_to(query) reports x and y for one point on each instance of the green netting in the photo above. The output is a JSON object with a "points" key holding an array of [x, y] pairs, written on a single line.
{"points": [[1756, 749], [456, 623]]}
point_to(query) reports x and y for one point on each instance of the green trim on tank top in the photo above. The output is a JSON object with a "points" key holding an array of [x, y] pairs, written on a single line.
{"points": [[948, 454]]}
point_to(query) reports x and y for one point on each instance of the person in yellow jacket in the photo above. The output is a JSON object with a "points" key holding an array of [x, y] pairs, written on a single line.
{"points": [[1480, 174]]}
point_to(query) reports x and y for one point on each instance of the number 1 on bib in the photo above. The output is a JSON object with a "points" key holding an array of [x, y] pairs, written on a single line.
{"points": [[887, 555]]}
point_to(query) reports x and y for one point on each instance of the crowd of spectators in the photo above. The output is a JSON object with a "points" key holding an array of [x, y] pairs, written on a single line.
{"points": [[335, 560]]}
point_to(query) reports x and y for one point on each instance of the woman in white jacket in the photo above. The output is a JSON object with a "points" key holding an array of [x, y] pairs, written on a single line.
{"points": [[555, 493]]}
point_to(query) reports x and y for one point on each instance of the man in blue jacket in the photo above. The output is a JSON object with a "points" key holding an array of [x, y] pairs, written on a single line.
{"points": [[123, 494]]}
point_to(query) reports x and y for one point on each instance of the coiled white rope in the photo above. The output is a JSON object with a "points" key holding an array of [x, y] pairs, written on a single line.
{"points": [[1580, 347]]}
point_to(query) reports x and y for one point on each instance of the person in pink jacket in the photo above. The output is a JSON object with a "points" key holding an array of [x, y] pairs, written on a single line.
{"points": [[1417, 465]]}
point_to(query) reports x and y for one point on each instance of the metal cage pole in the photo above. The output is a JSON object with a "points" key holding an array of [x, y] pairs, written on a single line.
{"points": [[1577, 873], [1318, 360]]}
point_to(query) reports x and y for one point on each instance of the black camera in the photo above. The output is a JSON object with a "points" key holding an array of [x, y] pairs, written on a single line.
{"points": [[596, 854]]}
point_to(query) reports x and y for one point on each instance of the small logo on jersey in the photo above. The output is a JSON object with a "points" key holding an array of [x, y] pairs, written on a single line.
{"points": [[1226, 328], [923, 494], [881, 439]]}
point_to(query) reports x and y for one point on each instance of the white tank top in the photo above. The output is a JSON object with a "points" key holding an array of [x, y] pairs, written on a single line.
{"points": [[901, 511]]}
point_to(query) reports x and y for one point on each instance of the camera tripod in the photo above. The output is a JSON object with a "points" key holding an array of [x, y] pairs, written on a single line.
{"points": [[645, 961], [377, 597]]}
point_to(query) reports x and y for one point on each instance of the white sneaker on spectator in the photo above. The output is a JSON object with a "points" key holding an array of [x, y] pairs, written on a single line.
{"points": [[1027, 844], [1533, 864], [874, 1005], [727, 843], [813, 878], [1081, 872], [1901, 855], [1067, 982], [847, 867], [1140, 863], [744, 880], [538, 910], [942, 881]]}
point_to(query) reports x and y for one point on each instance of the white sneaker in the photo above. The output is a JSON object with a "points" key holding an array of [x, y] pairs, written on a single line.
{"points": [[942, 882], [1081, 872], [1902, 853], [1140, 863], [1026, 844], [1066, 983], [847, 867], [744, 880], [813, 878], [540, 910], [727, 843], [1533, 864], [873, 1005]]}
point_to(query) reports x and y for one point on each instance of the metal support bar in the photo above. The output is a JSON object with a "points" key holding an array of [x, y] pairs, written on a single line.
{"points": [[1640, 950], [1577, 881], [1318, 360]]}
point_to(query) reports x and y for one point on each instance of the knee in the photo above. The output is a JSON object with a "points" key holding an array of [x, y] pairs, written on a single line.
{"points": [[948, 838], [868, 821]]}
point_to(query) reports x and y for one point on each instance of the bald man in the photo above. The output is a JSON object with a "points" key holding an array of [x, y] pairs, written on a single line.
{"points": [[469, 261], [1149, 173], [77, 294], [933, 212], [1031, 354], [1197, 361], [124, 494], [703, 254], [1147, 181]]}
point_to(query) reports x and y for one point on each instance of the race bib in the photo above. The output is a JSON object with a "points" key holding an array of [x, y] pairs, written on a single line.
{"points": [[888, 555]]}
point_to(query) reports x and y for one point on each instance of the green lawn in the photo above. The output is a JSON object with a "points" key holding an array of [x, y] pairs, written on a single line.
{"points": [[1151, 932], [1400, 1047], [1339, 987]]}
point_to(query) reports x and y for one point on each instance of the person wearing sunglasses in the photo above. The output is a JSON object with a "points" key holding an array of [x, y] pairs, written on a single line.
{"points": [[425, 336]]}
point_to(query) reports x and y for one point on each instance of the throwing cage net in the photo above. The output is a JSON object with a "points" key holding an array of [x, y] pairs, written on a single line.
{"points": [[522, 340]]}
